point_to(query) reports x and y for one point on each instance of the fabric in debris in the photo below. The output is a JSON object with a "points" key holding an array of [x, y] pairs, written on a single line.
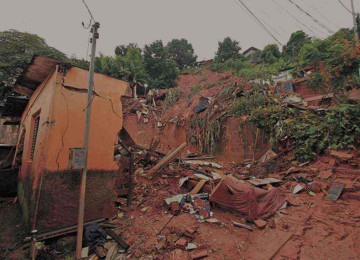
{"points": [[94, 235], [252, 202]]}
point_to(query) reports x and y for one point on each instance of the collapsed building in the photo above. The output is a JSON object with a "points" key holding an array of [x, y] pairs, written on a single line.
{"points": [[48, 150], [188, 154]]}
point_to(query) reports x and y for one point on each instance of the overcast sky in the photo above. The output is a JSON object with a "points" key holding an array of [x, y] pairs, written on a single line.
{"points": [[202, 22]]}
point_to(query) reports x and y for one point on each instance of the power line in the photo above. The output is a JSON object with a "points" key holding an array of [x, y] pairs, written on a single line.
{"points": [[347, 9], [260, 22], [88, 9], [294, 17], [312, 17], [323, 16]]}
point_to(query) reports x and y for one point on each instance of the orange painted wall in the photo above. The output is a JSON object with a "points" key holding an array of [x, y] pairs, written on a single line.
{"points": [[60, 101], [69, 115]]}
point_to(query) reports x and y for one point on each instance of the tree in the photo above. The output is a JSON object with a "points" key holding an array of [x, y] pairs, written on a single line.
{"points": [[181, 52], [122, 49], [16, 51], [162, 70], [271, 53], [297, 40], [228, 49], [80, 63]]}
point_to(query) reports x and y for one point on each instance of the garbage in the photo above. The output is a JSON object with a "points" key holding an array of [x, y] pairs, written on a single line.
{"points": [[297, 188]]}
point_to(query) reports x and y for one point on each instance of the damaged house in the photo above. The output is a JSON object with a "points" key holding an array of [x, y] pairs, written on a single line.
{"points": [[48, 151]]}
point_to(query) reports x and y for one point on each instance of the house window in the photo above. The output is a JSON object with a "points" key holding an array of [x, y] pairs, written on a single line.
{"points": [[34, 136]]}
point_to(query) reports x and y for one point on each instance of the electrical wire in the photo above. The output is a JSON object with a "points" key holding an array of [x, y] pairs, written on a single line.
{"points": [[323, 16], [347, 9], [291, 56], [260, 22], [66, 127], [88, 9], [312, 17], [294, 17]]}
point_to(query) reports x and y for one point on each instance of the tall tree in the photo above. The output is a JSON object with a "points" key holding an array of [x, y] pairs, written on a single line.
{"points": [[182, 52], [297, 40], [122, 49], [270, 53], [16, 51], [228, 49], [162, 70]]}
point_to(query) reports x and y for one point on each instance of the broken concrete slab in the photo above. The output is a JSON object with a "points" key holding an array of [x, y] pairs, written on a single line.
{"points": [[335, 191]]}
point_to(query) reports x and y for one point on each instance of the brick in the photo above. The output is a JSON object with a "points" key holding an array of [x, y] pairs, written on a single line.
{"points": [[324, 175], [200, 204], [260, 223], [204, 213], [271, 223], [332, 162], [199, 254], [181, 243], [190, 230], [175, 208]]}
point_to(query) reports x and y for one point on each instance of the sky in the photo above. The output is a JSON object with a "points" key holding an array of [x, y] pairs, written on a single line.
{"points": [[202, 22]]}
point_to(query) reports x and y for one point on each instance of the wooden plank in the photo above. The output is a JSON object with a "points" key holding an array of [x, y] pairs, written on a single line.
{"points": [[198, 187], [118, 239], [164, 161]]}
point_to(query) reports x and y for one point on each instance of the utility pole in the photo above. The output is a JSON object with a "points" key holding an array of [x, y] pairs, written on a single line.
{"points": [[355, 21], [95, 36]]}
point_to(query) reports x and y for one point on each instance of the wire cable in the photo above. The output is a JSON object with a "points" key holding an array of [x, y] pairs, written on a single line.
{"points": [[312, 17], [294, 17], [347, 9], [260, 22], [88, 9]]}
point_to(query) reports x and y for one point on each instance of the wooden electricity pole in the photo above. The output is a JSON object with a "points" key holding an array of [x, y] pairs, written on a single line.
{"points": [[354, 14], [95, 36]]}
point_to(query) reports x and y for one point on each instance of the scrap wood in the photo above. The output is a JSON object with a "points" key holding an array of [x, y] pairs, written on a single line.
{"points": [[237, 224], [198, 187], [62, 231], [164, 161], [118, 239], [198, 158]]}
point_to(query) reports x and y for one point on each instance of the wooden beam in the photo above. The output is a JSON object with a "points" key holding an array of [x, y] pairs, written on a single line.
{"points": [[164, 161]]}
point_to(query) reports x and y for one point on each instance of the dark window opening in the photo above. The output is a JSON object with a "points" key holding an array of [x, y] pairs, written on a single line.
{"points": [[34, 136]]}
